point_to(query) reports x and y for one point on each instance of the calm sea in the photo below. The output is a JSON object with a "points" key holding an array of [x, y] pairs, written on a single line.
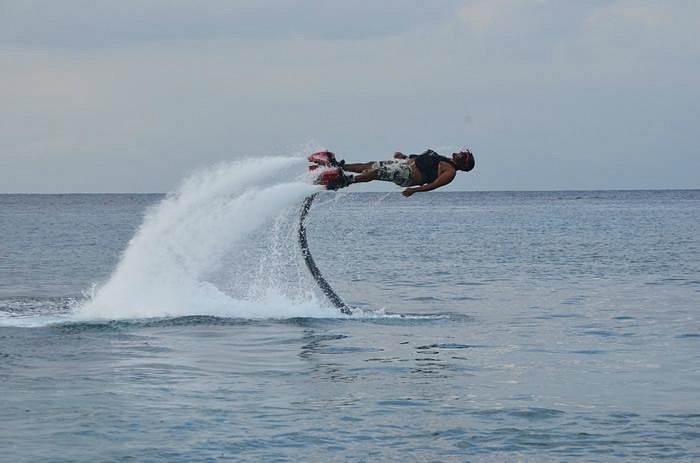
{"points": [[504, 326]]}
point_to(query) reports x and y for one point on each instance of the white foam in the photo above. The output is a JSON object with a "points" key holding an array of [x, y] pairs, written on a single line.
{"points": [[173, 265]]}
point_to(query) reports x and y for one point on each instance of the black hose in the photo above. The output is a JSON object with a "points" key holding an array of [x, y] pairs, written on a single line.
{"points": [[315, 272]]}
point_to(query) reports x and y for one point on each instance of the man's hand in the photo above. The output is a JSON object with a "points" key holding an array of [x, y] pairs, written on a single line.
{"points": [[408, 192]]}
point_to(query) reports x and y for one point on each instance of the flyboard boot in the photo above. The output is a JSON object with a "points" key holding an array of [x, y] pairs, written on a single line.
{"points": [[332, 175], [324, 158], [333, 178]]}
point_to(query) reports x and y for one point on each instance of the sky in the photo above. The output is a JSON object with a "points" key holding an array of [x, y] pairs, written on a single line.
{"points": [[132, 95]]}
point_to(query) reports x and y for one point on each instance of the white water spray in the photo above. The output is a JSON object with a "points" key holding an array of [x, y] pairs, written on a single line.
{"points": [[179, 262]]}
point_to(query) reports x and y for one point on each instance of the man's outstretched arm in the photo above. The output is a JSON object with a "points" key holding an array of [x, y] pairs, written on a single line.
{"points": [[442, 180]]}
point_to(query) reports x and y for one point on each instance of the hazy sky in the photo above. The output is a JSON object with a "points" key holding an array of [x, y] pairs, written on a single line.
{"points": [[130, 95]]}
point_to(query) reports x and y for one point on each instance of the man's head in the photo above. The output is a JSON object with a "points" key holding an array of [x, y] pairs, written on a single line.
{"points": [[464, 160]]}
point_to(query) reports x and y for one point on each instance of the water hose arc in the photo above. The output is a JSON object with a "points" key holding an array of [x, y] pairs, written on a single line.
{"points": [[311, 265]]}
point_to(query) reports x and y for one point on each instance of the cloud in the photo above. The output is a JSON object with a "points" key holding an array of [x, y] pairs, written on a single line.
{"points": [[106, 23], [483, 15], [638, 13], [648, 23], [93, 89]]}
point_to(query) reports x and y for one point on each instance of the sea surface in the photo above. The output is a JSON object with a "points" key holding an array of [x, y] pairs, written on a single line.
{"points": [[489, 326]]}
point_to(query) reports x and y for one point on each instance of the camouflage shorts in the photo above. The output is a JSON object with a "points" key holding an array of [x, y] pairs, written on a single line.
{"points": [[394, 170]]}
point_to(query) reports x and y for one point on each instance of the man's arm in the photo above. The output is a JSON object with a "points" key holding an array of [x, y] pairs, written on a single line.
{"points": [[443, 179]]}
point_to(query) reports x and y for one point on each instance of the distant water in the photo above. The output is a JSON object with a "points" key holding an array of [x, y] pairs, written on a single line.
{"points": [[506, 326]]}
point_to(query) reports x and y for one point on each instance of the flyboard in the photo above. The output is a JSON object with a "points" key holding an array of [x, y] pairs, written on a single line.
{"points": [[332, 177]]}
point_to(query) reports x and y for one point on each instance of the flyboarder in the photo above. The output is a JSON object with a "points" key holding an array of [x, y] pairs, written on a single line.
{"points": [[417, 172]]}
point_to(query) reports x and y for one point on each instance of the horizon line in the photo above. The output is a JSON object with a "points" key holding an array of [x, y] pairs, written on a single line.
{"points": [[383, 192]]}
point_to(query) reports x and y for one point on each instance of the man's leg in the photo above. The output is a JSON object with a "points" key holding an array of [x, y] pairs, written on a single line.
{"points": [[366, 176], [388, 171], [358, 168]]}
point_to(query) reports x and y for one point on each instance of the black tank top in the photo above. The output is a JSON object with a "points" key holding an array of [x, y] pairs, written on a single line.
{"points": [[428, 162]]}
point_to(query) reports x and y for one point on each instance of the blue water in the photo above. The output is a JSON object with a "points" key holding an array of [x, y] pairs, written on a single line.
{"points": [[505, 326]]}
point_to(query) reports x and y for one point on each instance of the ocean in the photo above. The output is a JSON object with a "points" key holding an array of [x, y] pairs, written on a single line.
{"points": [[487, 326]]}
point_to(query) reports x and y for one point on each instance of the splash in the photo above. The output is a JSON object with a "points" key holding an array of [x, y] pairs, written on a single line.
{"points": [[220, 245]]}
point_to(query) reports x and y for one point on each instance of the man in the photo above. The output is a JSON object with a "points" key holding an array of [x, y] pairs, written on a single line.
{"points": [[417, 172]]}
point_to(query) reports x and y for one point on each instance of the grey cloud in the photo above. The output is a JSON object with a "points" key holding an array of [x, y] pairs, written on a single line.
{"points": [[91, 23], [558, 94]]}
